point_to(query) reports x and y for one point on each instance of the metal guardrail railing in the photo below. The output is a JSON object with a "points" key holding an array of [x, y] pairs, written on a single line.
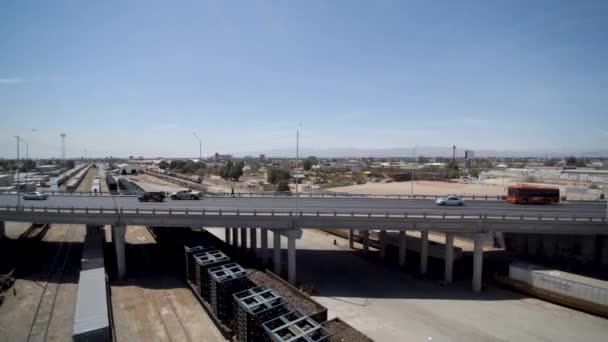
{"points": [[424, 214]]}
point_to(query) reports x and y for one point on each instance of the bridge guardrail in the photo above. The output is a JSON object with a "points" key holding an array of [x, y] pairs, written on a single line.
{"points": [[425, 214]]}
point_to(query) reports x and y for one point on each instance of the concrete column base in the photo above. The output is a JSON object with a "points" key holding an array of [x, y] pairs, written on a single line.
{"points": [[277, 252], [424, 251], [264, 245], [477, 263], [291, 260], [402, 234], [227, 235], [253, 239], [382, 238], [365, 234], [235, 237], [351, 241], [449, 257], [118, 239], [243, 238]]}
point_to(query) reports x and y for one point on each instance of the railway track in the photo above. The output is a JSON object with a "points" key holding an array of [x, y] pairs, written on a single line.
{"points": [[44, 310]]}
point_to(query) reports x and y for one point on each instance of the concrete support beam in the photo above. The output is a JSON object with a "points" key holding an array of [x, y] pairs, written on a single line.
{"points": [[449, 257], [365, 234], [351, 240], [118, 239], [424, 251], [291, 260], [227, 235], [243, 238], [477, 262], [253, 239], [382, 238], [2, 230], [402, 246], [235, 237], [277, 252], [264, 245]]}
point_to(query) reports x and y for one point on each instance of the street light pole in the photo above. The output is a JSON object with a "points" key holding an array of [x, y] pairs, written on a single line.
{"points": [[18, 183], [200, 148], [297, 164], [412, 180]]}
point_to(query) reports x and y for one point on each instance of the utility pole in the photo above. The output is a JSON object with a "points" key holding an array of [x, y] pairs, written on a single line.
{"points": [[200, 147], [18, 182], [27, 148], [414, 161], [62, 147], [297, 163]]}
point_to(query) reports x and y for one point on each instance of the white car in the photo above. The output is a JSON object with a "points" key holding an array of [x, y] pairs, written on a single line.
{"points": [[186, 194], [450, 200], [35, 196]]}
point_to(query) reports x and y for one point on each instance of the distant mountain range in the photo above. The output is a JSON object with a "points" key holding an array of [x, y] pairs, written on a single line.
{"points": [[427, 151]]}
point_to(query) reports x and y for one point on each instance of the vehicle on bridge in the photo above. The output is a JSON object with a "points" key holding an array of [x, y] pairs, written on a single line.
{"points": [[152, 196], [530, 194], [450, 200], [35, 196], [186, 195]]}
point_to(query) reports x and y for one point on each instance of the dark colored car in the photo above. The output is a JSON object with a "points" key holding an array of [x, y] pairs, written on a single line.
{"points": [[152, 196]]}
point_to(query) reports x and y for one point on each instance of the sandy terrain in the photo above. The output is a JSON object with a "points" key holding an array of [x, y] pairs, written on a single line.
{"points": [[490, 187], [151, 183]]}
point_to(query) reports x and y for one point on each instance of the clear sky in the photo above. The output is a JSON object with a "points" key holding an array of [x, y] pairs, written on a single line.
{"points": [[138, 77]]}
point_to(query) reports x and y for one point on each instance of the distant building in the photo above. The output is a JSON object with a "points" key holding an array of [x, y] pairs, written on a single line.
{"points": [[219, 157], [262, 156], [127, 169]]}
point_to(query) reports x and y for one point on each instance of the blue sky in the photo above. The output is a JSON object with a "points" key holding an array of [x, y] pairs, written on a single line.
{"points": [[138, 77]]}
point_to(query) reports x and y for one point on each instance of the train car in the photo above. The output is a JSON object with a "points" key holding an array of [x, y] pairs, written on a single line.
{"points": [[111, 182], [75, 181]]}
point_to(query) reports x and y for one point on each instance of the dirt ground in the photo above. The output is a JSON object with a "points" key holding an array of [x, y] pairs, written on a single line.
{"points": [[151, 183], [489, 187], [154, 305]]}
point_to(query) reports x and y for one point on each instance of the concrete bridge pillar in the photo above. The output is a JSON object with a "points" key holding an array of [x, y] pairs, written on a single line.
{"points": [[243, 238], [2, 230], [235, 237], [424, 251], [227, 235], [253, 239], [264, 245], [118, 238], [449, 257], [291, 260], [382, 238], [477, 262], [277, 252], [365, 234], [402, 234], [351, 240]]}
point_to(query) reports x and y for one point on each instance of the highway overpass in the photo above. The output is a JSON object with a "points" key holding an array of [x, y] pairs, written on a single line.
{"points": [[287, 215]]}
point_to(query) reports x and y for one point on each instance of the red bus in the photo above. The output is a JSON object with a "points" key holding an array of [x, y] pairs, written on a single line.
{"points": [[530, 194]]}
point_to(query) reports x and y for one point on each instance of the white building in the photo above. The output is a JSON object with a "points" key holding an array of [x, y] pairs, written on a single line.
{"points": [[127, 169]]}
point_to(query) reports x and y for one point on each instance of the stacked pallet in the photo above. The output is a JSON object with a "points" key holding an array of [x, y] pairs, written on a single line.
{"points": [[189, 262], [204, 261], [254, 307], [295, 326], [226, 280]]}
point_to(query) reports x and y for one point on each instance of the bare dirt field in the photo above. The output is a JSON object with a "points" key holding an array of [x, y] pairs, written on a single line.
{"points": [[153, 304], [151, 183], [488, 187]]}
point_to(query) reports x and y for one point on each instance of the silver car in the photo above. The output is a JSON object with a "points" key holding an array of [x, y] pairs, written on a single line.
{"points": [[186, 194], [450, 200], [35, 196]]}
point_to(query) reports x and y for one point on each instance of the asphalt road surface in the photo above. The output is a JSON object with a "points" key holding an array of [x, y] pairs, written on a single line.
{"points": [[577, 209]]}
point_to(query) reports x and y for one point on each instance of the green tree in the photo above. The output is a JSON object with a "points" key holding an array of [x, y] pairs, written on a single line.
{"points": [[571, 161], [423, 160], [282, 185], [163, 165], [474, 172], [277, 174], [551, 161], [70, 164], [307, 164]]}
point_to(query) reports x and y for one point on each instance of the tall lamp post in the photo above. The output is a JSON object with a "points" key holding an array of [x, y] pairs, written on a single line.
{"points": [[18, 182], [200, 147], [297, 164], [27, 149], [414, 160]]}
